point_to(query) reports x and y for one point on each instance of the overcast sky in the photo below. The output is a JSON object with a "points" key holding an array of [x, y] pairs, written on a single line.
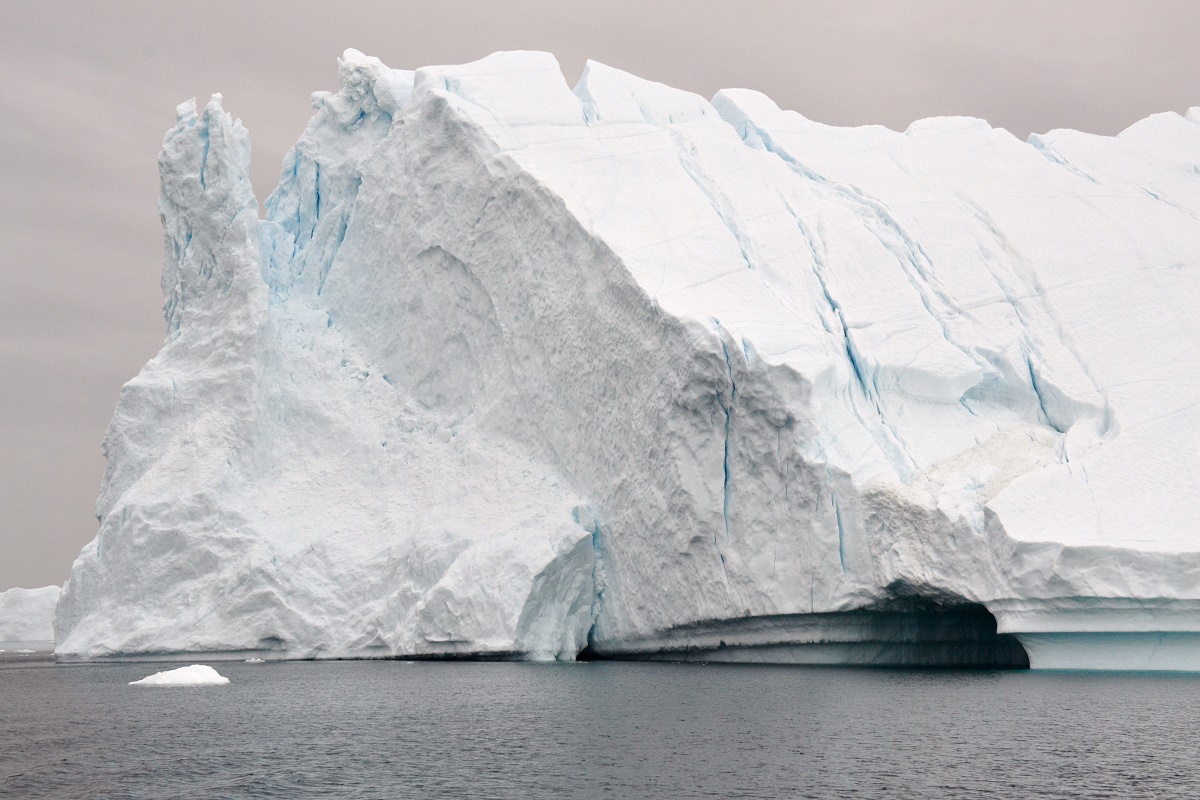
{"points": [[88, 88]]}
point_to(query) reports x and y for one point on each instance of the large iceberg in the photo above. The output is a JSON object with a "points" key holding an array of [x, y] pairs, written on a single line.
{"points": [[27, 615], [511, 370]]}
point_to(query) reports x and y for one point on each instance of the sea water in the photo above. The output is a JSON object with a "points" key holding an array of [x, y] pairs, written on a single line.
{"points": [[371, 729]]}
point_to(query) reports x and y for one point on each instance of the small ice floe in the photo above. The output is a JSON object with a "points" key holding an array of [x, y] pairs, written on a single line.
{"points": [[195, 675], [255, 661], [26, 651]]}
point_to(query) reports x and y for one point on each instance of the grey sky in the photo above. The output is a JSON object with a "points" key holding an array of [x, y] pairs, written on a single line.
{"points": [[87, 89]]}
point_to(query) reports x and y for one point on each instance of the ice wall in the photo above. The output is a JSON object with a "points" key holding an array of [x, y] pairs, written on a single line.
{"points": [[511, 370]]}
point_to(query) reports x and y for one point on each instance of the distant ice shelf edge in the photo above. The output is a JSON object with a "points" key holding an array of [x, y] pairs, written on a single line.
{"points": [[27, 616], [510, 370]]}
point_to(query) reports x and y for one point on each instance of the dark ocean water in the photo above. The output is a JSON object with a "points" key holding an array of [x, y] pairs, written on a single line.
{"points": [[502, 730]]}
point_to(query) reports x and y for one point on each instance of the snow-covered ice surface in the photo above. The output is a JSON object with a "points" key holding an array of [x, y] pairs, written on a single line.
{"points": [[512, 370], [195, 675], [27, 615]]}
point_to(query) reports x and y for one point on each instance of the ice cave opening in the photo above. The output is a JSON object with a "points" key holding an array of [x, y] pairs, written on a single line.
{"points": [[908, 629]]}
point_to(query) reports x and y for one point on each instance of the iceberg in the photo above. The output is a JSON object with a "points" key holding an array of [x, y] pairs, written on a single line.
{"points": [[515, 370], [195, 675], [27, 615]]}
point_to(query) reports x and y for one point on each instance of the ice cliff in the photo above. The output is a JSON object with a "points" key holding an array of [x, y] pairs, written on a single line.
{"points": [[27, 615], [513, 370]]}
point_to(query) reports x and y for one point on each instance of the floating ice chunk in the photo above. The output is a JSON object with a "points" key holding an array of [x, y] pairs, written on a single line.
{"points": [[195, 675]]}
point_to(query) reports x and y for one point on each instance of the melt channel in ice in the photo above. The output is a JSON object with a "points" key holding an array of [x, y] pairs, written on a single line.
{"points": [[515, 370]]}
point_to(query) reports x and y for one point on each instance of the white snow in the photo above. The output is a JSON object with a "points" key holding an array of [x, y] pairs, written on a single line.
{"points": [[195, 675], [511, 369], [27, 615]]}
